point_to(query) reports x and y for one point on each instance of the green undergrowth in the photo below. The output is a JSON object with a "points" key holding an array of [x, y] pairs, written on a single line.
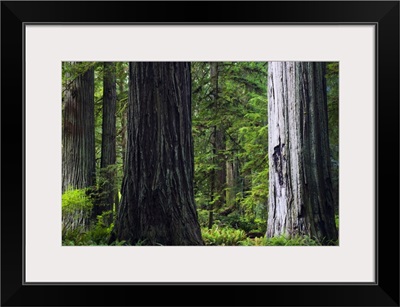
{"points": [[222, 236], [78, 229], [282, 241], [217, 236], [234, 230], [97, 234]]}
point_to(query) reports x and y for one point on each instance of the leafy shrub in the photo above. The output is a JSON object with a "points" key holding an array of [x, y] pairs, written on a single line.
{"points": [[294, 241], [97, 234], [76, 209], [253, 242], [222, 236], [281, 241], [74, 236], [203, 217], [245, 223], [100, 233]]}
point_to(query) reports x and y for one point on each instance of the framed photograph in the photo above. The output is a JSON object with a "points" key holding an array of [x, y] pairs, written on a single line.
{"points": [[249, 72]]}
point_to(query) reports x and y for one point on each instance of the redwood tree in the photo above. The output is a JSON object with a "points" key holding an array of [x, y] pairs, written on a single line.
{"points": [[157, 204], [300, 187], [78, 146]]}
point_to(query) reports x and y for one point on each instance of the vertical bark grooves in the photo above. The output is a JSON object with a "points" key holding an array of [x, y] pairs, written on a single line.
{"points": [[157, 205], [78, 147], [108, 140], [300, 201]]}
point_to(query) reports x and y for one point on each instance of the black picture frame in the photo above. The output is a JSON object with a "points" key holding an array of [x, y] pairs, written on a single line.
{"points": [[383, 14]]}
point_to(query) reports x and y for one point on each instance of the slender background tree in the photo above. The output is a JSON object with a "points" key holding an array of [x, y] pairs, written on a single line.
{"points": [[107, 189]]}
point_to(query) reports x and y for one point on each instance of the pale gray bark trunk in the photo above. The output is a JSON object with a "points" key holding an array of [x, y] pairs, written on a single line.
{"points": [[300, 188]]}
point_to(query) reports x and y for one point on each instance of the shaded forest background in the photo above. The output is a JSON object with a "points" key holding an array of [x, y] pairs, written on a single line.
{"points": [[229, 124]]}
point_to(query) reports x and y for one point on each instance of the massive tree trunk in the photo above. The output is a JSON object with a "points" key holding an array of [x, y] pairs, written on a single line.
{"points": [[300, 188], [78, 147], [157, 205], [108, 140]]}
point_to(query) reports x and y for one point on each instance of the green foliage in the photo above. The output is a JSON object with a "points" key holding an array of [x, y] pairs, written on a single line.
{"points": [[97, 234], [294, 241], [76, 209], [76, 227], [241, 114], [100, 233], [280, 241], [247, 223], [260, 241], [253, 137], [226, 236], [71, 237], [107, 178], [203, 217], [76, 200], [71, 70], [332, 80], [222, 236]]}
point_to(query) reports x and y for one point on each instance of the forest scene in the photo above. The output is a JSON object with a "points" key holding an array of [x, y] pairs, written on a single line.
{"points": [[200, 153]]}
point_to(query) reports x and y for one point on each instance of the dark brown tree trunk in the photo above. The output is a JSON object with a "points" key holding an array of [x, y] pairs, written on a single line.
{"points": [[157, 205], [300, 189], [78, 147], [108, 141]]}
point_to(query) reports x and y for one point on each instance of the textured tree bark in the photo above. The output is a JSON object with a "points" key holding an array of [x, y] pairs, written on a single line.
{"points": [[300, 188], [157, 205], [78, 147], [108, 140]]}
